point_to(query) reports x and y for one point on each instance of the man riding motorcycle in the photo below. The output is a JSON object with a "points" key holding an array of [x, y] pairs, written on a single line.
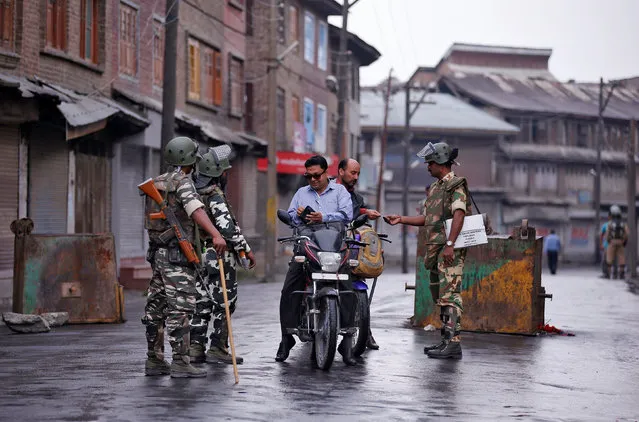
{"points": [[330, 202]]}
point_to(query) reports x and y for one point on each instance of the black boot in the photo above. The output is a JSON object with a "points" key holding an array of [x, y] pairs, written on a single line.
{"points": [[345, 349], [614, 273], [622, 273], [371, 343], [606, 271], [451, 348], [286, 345]]}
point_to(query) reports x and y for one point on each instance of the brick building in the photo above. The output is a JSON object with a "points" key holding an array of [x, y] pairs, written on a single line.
{"points": [[56, 127]]}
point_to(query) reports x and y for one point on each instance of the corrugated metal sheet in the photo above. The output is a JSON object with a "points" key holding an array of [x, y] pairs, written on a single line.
{"points": [[48, 181], [78, 109], [131, 203], [536, 90], [9, 161], [557, 153], [443, 112]]}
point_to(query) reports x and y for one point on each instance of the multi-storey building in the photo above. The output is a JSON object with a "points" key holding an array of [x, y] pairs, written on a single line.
{"points": [[299, 113], [545, 172]]}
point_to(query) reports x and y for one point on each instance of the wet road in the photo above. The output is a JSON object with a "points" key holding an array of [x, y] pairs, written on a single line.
{"points": [[95, 373]]}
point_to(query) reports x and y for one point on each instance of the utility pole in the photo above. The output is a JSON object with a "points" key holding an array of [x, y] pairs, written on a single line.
{"points": [[342, 77], [598, 169], [632, 195], [271, 174], [406, 147], [169, 83], [380, 176]]}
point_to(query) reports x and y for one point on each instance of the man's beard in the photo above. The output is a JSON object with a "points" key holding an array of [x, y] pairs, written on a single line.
{"points": [[350, 185]]}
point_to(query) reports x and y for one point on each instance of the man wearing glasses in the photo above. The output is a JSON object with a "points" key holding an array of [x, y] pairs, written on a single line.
{"points": [[330, 203]]}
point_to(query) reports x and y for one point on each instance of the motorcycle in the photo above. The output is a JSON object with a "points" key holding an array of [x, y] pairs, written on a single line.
{"points": [[324, 250], [363, 301]]}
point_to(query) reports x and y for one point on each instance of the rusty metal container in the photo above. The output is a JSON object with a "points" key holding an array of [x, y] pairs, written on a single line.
{"points": [[74, 273], [501, 286]]}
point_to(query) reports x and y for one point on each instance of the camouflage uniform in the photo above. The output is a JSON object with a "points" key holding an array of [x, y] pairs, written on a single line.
{"points": [[445, 197], [171, 293], [617, 237], [211, 305]]}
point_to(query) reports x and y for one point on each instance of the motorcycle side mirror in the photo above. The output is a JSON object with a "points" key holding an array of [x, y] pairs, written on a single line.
{"points": [[284, 217], [360, 221]]}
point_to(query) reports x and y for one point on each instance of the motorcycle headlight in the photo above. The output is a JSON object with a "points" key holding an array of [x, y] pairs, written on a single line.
{"points": [[330, 261]]}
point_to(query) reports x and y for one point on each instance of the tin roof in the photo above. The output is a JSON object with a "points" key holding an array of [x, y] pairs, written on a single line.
{"points": [[439, 112], [78, 109], [556, 153], [537, 90]]}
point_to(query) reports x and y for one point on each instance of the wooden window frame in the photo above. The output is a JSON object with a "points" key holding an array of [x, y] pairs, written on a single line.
{"points": [[205, 78], [93, 53], [56, 24], [128, 47], [7, 24], [236, 106], [158, 52]]}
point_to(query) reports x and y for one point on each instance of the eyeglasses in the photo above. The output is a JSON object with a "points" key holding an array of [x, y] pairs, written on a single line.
{"points": [[314, 176]]}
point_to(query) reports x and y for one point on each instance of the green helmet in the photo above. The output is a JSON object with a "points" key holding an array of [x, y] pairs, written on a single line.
{"points": [[181, 151], [439, 152], [215, 161], [615, 210]]}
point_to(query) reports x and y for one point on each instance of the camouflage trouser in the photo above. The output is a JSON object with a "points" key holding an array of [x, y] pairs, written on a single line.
{"points": [[446, 284], [210, 301], [171, 298]]}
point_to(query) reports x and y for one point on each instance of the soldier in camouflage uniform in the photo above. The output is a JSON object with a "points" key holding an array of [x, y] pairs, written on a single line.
{"points": [[171, 294], [617, 237], [210, 185], [448, 197]]}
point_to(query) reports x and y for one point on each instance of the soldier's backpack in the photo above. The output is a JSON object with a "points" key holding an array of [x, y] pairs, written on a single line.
{"points": [[617, 230], [370, 258]]}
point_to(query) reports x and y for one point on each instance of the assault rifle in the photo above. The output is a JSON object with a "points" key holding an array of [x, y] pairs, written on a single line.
{"points": [[166, 213]]}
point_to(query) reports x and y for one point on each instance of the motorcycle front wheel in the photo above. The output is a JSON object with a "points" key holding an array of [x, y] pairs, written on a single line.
{"points": [[362, 323], [325, 342]]}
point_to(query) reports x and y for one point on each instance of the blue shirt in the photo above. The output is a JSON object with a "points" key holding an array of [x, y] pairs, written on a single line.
{"points": [[603, 231], [552, 243], [334, 203]]}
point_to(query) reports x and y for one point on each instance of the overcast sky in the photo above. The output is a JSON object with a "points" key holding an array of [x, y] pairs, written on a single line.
{"points": [[589, 38]]}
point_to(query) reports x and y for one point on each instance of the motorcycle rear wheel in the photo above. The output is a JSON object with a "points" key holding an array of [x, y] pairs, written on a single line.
{"points": [[362, 323], [325, 343]]}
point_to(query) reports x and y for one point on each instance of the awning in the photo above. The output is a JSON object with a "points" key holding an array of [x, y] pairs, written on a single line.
{"points": [[535, 213], [79, 110], [208, 130]]}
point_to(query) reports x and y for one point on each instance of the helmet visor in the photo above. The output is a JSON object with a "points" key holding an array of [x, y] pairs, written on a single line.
{"points": [[427, 152]]}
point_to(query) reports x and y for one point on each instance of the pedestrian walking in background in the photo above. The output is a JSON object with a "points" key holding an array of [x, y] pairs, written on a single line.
{"points": [[552, 246]]}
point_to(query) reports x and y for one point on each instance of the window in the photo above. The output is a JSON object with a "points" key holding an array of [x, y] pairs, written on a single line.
{"points": [[56, 24], [205, 73], [582, 135], [249, 17], [89, 30], [539, 133], [320, 135], [128, 40], [281, 119], [7, 16], [322, 46], [158, 53], [295, 108], [309, 122], [309, 38], [236, 75], [293, 24], [248, 117]]}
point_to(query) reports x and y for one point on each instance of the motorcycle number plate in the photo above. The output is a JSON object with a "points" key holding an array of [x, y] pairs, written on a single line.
{"points": [[324, 276]]}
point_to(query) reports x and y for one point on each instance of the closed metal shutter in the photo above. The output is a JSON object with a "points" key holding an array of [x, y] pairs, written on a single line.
{"points": [[9, 164], [48, 181], [131, 204]]}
